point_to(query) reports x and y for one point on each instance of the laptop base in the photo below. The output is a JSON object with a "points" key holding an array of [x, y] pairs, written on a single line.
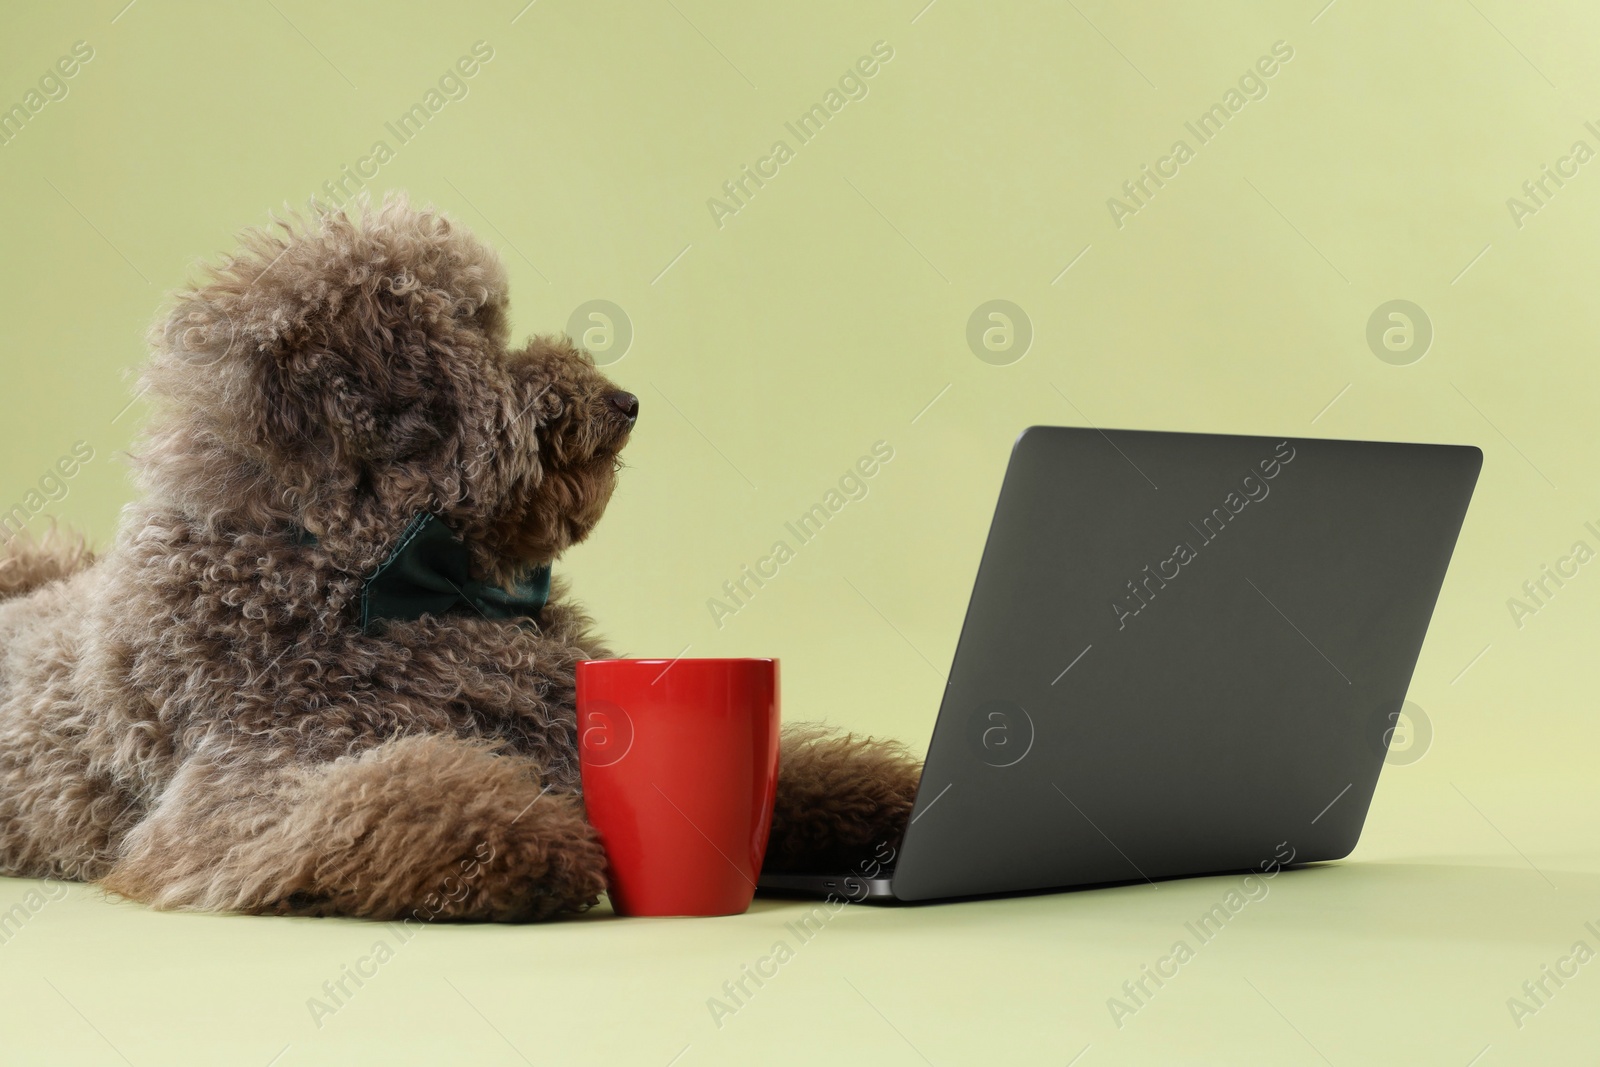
{"points": [[848, 887]]}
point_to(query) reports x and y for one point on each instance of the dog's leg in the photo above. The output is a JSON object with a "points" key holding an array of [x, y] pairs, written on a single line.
{"points": [[842, 800], [422, 827]]}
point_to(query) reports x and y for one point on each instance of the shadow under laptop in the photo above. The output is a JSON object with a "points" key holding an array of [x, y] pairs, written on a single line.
{"points": [[1424, 898]]}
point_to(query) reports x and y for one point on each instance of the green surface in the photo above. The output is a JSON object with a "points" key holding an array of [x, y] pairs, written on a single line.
{"points": [[774, 345]]}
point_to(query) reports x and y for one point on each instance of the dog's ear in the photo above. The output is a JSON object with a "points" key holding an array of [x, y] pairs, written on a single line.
{"points": [[337, 356]]}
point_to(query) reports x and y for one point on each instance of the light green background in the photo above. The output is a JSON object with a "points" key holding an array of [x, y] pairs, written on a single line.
{"points": [[772, 352]]}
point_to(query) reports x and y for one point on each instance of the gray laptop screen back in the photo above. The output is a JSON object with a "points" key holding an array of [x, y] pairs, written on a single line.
{"points": [[1182, 650]]}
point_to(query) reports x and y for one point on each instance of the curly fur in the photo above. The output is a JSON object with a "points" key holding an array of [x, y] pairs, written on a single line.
{"points": [[197, 720], [840, 797], [27, 564]]}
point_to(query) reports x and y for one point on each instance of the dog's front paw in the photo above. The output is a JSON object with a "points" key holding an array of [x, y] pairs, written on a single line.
{"points": [[843, 800], [546, 863]]}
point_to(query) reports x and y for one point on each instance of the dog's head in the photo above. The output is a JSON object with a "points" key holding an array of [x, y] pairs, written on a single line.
{"points": [[343, 374]]}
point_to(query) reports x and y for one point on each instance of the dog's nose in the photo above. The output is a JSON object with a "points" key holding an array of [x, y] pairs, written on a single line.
{"points": [[626, 403]]}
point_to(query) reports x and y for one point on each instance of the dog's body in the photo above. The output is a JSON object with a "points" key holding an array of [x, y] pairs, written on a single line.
{"points": [[199, 719]]}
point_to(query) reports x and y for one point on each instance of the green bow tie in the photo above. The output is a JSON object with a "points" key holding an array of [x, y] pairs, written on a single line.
{"points": [[427, 574]]}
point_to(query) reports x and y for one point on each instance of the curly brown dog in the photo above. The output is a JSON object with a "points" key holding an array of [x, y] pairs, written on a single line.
{"points": [[206, 717]]}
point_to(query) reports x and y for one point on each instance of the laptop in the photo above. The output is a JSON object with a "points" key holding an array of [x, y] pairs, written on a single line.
{"points": [[1184, 654]]}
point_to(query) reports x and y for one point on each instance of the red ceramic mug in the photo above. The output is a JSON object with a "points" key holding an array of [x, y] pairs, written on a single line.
{"points": [[680, 768]]}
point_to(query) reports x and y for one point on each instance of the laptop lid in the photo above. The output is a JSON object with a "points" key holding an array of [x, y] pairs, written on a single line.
{"points": [[1182, 651]]}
